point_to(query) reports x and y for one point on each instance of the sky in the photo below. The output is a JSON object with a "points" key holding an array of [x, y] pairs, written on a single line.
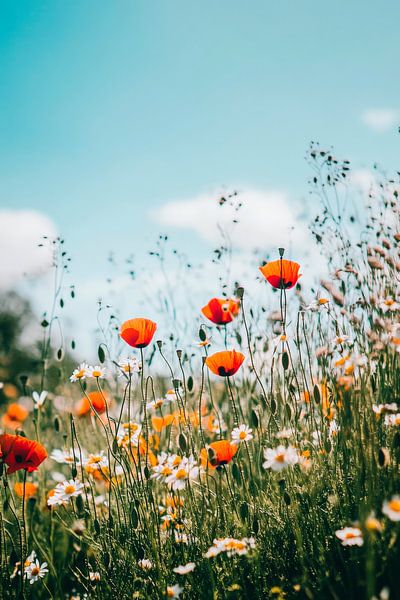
{"points": [[120, 120]]}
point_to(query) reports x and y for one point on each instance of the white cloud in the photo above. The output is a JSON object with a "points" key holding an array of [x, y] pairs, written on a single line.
{"points": [[266, 219], [363, 180], [20, 233], [381, 119]]}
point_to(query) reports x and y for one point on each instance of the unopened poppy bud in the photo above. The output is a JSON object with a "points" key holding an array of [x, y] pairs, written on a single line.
{"points": [[159, 344], [281, 251]]}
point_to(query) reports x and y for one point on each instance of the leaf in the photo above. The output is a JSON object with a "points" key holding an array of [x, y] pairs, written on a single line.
{"points": [[101, 354], [317, 394], [254, 418], [285, 361], [182, 442]]}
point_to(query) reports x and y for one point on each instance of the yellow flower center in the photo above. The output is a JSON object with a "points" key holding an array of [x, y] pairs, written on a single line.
{"points": [[181, 474], [394, 505], [35, 571], [242, 435], [69, 489], [280, 458], [350, 535]]}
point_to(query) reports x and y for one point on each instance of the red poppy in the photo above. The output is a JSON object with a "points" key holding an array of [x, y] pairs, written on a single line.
{"points": [[98, 400], [138, 333], [221, 310], [225, 363], [20, 453], [281, 274], [218, 453]]}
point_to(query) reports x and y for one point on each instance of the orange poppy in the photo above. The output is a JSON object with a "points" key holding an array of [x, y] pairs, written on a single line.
{"points": [[160, 423], [98, 400], [30, 489], [138, 333], [225, 363], [20, 453], [218, 453], [14, 416], [282, 273], [221, 310]]}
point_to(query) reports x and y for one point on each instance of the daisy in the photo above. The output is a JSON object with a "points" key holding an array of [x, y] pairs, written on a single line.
{"points": [[380, 409], [97, 372], [38, 399], [185, 569], [174, 591], [186, 471], [388, 304], [340, 339], [96, 462], [391, 508], [129, 365], [145, 564], [94, 576], [241, 434], [65, 457], [392, 420], [35, 571], [280, 457], [316, 304], [157, 403], [80, 373], [63, 492], [350, 536]]}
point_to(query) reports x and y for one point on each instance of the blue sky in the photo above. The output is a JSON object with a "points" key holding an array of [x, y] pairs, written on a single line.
{"points": [[110, 110]]}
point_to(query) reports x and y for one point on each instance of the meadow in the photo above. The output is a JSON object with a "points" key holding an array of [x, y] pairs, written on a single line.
{"points": [[263, 462]]}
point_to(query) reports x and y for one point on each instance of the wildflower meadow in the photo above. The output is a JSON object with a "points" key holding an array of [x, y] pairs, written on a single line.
{"points": [[259, 458]]}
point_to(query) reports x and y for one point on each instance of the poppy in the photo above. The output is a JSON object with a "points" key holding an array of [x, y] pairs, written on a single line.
{"points": [[98, 400], [218, 453], [221, 310], [282, 273], [14, 416], [138, 333], [20, 453], [225, 363], [159, 423], [30, 489]]}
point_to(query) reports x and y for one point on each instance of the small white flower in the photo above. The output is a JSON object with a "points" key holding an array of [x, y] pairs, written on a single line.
{"points": [[80, 373], [94, 576], [391, 508], [34, 571], [316, 304], [392, 420], [129, 365], [185, 569], [96, 462], [63, 492], [280, 457], [388, 304], [65, 457], [145, 564], [174, 591], [97, 372], [240, 434], [350, 536], [380, 409], [38, 399], [339, 340]]}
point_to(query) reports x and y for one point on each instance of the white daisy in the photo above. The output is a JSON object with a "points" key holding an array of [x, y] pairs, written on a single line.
{"points": [[145, 564], [65, 456], [97, 372], [63, 492], [391, 508], [80, 373], [38, 399], [240, 434], [350, 536], [280, 457], [174, 591], [35, 571], [185, 569], [129, 365]]}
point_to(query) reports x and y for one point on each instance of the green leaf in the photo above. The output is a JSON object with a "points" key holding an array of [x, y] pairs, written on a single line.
{"points": [[285, 361], [101, 354]]}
